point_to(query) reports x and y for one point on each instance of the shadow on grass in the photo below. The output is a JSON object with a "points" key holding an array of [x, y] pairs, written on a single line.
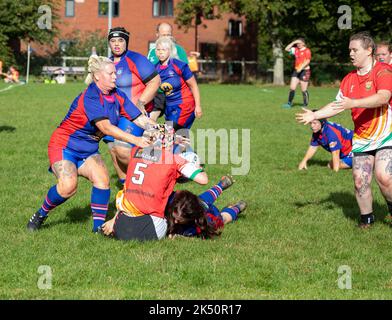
{"points": [[316, 162], [7, 128], [348, 203]]}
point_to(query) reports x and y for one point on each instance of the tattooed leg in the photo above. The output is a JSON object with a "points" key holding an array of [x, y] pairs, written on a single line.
{"points": [[67, 177], [362, 174], [383, 172]]}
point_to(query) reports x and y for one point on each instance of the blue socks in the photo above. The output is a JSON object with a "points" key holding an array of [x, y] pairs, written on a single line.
{"points": [[99, 206], [211, 194], [52, 200]]}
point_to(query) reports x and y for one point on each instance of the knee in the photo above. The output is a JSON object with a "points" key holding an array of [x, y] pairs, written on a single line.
{"points": [[67, 188], [384, 180], [358, 182], [101, 180], [122, 154]]}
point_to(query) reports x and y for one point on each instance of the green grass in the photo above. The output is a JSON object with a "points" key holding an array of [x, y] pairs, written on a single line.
{"points": [[299, 227]]}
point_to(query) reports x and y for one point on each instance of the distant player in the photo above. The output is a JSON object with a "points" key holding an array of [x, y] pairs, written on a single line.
{"points": [[367, 92], [301, 73], [333, 138], [384, 52], [164, 29], [138, 79], [179, 85], [151, 177]]}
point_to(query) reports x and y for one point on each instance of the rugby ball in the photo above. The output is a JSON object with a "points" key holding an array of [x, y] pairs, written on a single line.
{"points": [[191, 157]]}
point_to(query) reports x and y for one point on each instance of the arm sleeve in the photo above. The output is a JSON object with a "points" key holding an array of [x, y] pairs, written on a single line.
{"points": [[384, 79], [145, 68], [94, 109], [127, 108], [333, 141], [186, 72], [308, 54], [313, 142]]}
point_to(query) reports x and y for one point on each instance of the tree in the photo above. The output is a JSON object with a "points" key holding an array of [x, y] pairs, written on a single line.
{"points": [[281, 21], [28, 20]]}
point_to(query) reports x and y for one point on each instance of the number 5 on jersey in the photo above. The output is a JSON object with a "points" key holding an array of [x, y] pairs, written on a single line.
{"points": [[138, 174]]}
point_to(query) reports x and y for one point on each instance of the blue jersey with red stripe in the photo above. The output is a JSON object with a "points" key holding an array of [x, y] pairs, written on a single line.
{"points": [[173, 82], [332, 137], [77, 132], [133, 72]]}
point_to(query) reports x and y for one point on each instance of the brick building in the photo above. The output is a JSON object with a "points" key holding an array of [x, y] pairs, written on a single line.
{"points": [[230, 38]]}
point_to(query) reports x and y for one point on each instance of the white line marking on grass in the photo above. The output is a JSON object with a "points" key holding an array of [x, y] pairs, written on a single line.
{"points": [[10, 87]]}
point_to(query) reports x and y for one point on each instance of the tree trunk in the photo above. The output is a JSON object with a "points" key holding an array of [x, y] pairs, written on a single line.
{"points": [[278, 66]]}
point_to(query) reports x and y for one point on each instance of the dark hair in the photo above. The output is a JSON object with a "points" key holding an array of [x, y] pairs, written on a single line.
{"points": [[366, 40], [119, 32], [187, 209], [322, 121]]}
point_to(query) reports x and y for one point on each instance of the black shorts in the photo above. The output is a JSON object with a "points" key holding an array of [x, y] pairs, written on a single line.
{"points": [[370, 153], [159, 102], [304, 75], [134, 228]]}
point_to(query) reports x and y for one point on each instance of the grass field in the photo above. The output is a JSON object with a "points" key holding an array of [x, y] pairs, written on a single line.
{"points": [[300, 227]]}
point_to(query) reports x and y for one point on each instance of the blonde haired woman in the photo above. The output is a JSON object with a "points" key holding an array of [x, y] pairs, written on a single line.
{"points": [[179, 85], [73, 146]]}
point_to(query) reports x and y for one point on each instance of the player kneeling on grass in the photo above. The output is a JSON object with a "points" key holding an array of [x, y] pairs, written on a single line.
{"points": [[197, 216], [335, 139], [150, 180]]}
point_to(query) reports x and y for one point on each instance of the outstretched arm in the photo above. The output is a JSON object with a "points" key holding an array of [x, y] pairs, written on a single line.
{"points": [[328, 111], [308, 155]]}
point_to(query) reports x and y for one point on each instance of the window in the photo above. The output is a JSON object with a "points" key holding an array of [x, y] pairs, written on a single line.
{"points": [[208, 51], [69, 8], [103, 8], [162, 8], [235, 28]]}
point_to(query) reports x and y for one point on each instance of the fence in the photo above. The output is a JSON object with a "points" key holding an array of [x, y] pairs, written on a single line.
{"points": [[241, 71]]}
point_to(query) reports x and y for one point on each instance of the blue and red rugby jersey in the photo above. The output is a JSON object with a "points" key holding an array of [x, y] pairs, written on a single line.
{"points": [[173, 82], [133, 72], [332, 137], [77, 132]]}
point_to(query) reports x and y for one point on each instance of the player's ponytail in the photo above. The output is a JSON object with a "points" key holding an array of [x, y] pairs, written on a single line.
{"points": [[95, 64]]}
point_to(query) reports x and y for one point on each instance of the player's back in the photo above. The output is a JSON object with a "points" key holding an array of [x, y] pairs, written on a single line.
{"points": [[150, 180]]}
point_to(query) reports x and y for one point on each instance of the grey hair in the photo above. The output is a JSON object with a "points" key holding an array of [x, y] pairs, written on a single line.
{"points": [[95, 64], [168, 43]]}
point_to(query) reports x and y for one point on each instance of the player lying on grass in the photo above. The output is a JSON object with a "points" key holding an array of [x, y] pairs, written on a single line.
{"points": [[196, 216], [335, 139], [73, 146], [151, 176], [367, 92]]}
